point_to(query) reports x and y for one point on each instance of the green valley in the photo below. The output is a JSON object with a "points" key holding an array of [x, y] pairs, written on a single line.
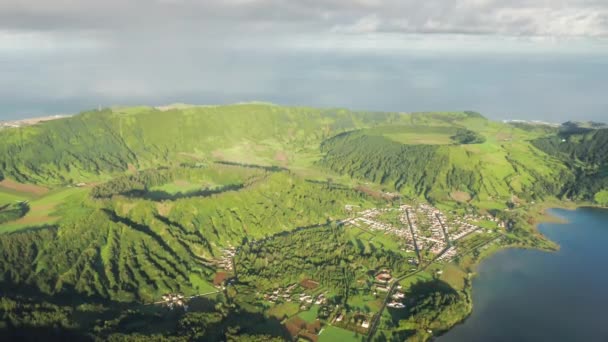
{"points": [[258, 222]]}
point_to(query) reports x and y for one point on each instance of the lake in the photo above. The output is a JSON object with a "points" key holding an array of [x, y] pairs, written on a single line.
{"points": [[529, 295]]}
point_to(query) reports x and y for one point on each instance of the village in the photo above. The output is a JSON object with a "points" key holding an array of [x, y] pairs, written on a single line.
{"points": [[312, 298], [422, 227], [225, 262], [174, 301]]}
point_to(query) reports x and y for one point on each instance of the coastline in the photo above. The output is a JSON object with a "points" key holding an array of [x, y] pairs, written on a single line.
{"points": [[560, 220], [539, 214]]}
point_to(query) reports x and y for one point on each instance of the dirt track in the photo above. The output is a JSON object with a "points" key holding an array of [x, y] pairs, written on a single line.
{"points": [[29, 188]]}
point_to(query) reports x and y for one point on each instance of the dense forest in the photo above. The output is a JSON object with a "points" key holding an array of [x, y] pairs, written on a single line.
{"points": [[212, 180], [384, 161], [585, 152], [433, 170], [434, 304], [34, 319], [325, 254], [92, 143], [12, 211], [466, 136], [135, 249]]}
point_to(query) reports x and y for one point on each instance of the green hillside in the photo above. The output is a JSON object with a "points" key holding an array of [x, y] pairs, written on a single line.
{"points": [[103, 213], [129, 248], [585, 151], [491, 169], [92, 144]]}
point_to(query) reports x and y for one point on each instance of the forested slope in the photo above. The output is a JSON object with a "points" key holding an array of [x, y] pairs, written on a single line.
{"points": [[92, 143], [587, 154], [129, 248], [140, 202], [486, 170]]}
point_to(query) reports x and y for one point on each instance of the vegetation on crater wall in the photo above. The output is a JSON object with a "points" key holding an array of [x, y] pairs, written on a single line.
{"points": [[157, 211]]}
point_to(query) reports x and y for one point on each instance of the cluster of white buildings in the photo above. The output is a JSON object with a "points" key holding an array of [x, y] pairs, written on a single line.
{"points": [[287, 294], [280, 293], [397, 302], [423, 226], [310, 299], [427, 227], [225, 261], [466, 228], [448, 255], [174, 300], [367, 220]]}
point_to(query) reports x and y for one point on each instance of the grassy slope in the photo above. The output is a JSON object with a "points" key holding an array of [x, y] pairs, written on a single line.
{"points": [[121, 249], [505, 164], [130, 248], [94, 144], [586, 152], [331, 333]]}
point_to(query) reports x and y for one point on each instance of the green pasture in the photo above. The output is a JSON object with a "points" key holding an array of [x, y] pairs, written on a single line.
{"points": [[333, 334]]}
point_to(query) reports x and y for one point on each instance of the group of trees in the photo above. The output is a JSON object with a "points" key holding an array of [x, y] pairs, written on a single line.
{"points": [[324, 254], [140, 183], [435, 304], [601, 198], [466, 136], [586, 153], [434, 171], [128, 249], [384, 161], [12, 211]]}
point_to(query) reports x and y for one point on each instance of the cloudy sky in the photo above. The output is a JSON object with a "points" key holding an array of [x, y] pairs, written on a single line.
{"points": [[524, 59]]}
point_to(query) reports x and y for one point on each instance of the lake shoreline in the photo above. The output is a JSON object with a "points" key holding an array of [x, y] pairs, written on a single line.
{"points": [[540, 214], [545, 217]]}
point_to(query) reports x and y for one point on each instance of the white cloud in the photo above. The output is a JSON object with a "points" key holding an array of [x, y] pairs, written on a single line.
{"points": [[583, 18], [42, 41], [376, 54]]}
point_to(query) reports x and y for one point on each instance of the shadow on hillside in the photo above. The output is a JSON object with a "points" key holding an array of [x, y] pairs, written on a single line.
{"points": [[157, 195], [272, 168], [35, 333], [425, 295], [248, 323], [31, 315]]}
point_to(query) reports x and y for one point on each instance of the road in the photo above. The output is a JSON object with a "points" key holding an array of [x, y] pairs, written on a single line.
{"points": [[409, 223], [445, 231], [374, 326], [377, 317]]}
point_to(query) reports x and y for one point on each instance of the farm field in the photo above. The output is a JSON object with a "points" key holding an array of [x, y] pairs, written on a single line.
{"points": [[9, 196], [331, 334], [43, 210], [309, 315]]}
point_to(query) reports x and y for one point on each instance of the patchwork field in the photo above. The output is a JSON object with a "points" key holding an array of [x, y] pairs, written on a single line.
{"points": [[417, 135], [34, 190], [42, 209]]}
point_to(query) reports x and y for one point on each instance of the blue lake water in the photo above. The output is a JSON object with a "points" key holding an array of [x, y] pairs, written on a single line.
{"points": [[529, 295]]}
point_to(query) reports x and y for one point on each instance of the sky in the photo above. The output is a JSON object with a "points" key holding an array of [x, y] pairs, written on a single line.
{"points": [[510, 59]]}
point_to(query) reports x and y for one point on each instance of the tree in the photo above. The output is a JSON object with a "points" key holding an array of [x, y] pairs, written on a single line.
{"points": [[601, 198]]}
